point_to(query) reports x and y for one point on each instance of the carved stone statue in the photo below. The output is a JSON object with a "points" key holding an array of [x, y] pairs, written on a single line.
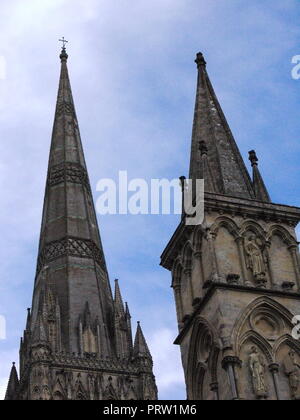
{"points": [[292, 370], [257, 369], [255, 259]]}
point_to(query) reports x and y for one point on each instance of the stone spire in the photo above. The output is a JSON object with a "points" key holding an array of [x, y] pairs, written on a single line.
{"points": [[13, 384], [214, 153], [118, 301], [78, 342], [122, 321], [67, 181], [260, 190], [140, 348], [71, 259]]}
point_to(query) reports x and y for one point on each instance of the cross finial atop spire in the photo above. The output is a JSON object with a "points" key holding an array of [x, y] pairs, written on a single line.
{"points": [[63, 55], [64, 42]]}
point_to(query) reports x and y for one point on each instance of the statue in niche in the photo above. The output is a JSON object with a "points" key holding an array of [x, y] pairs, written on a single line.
{"points": [[255, 258], [292, 370], [257, 369]]}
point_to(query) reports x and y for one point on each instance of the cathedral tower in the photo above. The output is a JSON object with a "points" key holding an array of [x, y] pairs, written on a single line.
{"points": [[78, 341], [236, 277]]}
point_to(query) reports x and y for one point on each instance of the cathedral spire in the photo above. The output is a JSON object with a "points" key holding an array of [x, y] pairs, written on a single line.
{"points": [[140, 348], [13, 384], [71, 260], [75, 214], [220, 164], [261, 192], [78, 337]]}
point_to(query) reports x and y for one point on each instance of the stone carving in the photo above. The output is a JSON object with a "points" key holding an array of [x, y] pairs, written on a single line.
{"points": [[233, 278], [255, 259], [257, 369], [288, 285], [68, 172], [292, 370], [83, 248], [65, 108]]}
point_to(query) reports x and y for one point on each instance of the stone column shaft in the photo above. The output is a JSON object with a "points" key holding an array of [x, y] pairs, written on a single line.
{"points": [[274, 368], [228, 364]]}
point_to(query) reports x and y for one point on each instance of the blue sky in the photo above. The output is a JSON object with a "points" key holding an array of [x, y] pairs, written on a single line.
{"points": [[133, 79]]}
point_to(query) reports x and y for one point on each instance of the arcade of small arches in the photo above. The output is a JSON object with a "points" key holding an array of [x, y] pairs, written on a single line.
{"points": [[245, 255]]}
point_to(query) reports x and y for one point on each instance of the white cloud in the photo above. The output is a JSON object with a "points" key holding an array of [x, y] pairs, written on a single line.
{"points": [[167, 363], [3, 386], [133, 78]]}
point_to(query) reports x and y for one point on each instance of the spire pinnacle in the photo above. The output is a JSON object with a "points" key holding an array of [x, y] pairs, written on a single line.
{"points": [[200, 61], [141, 348], [28, 319], [253, 158], [127, 312], [260, 190], [13, 384], [119, 306], [214, 153]]}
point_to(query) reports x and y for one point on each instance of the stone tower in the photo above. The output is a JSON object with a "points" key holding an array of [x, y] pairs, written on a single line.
{"points": [[236, 277], [77, 344]]}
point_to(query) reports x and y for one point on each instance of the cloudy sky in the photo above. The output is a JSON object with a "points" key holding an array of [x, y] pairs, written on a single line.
{"points": [[133, 78]]}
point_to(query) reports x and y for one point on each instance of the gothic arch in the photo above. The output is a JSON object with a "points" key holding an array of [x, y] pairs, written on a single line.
{"points": [[58, 392], [131, 394], [202, 358], [80, 393], [287, 238], [256, 355], [36, 395], [251, 225], [288, 372], [289, 341], [265, 303], [226, 247], [226, 222], [282, 262], [259, 341], [110, 393]]}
